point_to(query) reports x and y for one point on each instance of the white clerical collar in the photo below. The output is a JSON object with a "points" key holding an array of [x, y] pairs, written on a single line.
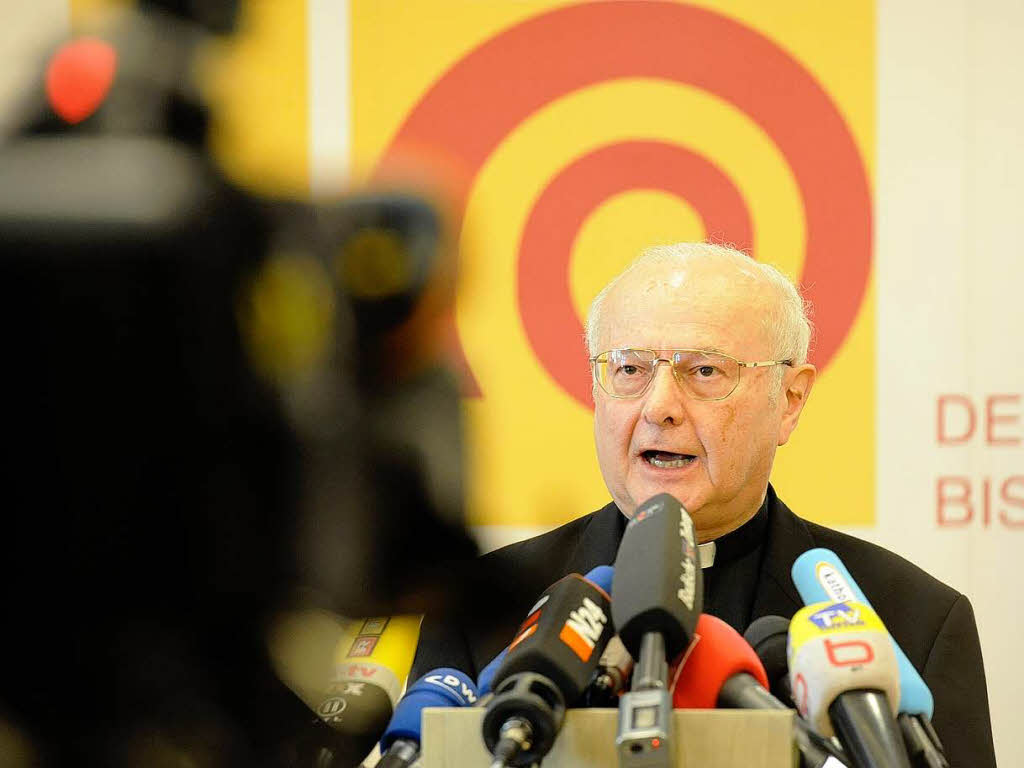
{"points": [[707, 554]]}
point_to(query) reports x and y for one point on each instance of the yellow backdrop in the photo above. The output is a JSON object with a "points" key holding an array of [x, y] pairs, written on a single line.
{"points": [[532, 459]]}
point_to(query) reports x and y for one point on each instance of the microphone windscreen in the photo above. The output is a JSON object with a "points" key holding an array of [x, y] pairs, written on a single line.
{"points": [[486, 676], [562, 638], [349, 674], [835, 648], [444, 687], [766, 629], [716, 654], [602, 576], [658, 585], [914, 699], [819, 575], [768, 636]]}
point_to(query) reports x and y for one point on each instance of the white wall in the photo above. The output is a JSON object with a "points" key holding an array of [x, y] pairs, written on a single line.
{"points": [[950, 283]]}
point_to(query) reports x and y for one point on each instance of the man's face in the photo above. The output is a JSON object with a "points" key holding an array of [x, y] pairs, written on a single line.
{"points": [[714, 456]]}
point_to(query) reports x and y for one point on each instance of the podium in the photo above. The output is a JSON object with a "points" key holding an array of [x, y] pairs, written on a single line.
{"points": [[704, 738]]}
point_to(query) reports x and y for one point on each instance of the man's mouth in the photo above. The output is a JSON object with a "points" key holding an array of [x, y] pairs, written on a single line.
{"points": [[667, 460]]}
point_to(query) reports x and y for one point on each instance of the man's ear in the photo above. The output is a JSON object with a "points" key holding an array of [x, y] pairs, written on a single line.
{"points": [[797, 388]]}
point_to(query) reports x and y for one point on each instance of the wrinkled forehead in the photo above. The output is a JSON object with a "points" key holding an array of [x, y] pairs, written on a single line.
{"points": [[703, 306]]}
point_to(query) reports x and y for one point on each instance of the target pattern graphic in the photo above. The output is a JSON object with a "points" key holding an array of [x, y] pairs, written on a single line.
{"points": [[548, 316], [470, 110]]}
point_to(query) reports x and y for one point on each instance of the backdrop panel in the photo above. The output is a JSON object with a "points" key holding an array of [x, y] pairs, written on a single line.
{"points": [[578, 133]]}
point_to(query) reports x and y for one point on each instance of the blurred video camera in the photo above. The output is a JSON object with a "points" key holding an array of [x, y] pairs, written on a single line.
{"points": [[219, 405]]}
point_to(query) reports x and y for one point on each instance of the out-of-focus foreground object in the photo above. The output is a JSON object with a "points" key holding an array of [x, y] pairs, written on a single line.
{"points": [[221, 407]]}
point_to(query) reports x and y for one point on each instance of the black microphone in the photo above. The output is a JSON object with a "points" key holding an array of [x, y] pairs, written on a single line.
{"points": [[769, 636], [611, 677], [549, 663], [923, 746], [659, 595]]}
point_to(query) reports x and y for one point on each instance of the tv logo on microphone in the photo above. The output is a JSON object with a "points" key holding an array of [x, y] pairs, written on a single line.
{"points": [[583, 628], [837, 616], [453, 684]]}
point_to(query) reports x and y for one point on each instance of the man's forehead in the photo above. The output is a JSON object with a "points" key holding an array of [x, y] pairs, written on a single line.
{"points": [[694, 278], [710, 290], [686, 304]]}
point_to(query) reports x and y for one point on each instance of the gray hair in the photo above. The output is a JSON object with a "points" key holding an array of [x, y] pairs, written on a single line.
{"points": [[787, 321]]}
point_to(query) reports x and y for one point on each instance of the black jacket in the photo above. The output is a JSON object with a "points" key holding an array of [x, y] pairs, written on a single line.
{"points": [[933, 624]]}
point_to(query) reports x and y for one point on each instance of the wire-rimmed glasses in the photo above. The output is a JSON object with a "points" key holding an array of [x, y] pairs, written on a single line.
{"points": [[703, 374]]}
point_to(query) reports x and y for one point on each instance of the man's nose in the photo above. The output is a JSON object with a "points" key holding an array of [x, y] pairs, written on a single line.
{"points": [[664, 402]]}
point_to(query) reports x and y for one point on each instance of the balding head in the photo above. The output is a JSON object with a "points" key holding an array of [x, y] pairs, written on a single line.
{"points": [[724, 272]]}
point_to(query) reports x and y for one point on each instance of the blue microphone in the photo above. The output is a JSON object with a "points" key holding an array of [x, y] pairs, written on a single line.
{"points": [[601, 576], [483, 682], [443, 687], [819, 575]]}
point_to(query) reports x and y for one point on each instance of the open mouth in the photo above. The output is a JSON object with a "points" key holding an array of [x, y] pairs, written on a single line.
{"points": [[667, 460]]}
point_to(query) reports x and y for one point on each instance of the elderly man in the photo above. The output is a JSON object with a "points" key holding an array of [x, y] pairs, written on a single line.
{"points": [[699, 361]]}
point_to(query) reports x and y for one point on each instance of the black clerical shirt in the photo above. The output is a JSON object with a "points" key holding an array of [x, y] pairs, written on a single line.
{"points": [[730, 583]]}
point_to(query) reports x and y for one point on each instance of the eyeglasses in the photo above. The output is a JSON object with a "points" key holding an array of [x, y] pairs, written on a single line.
{"points": [[703, 375]]}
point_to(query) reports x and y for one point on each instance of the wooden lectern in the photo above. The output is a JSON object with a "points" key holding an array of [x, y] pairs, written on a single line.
{"points": [[705, 738]]}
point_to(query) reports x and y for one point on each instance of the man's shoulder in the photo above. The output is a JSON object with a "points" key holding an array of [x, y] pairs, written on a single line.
{"points": [[527, 568], [598, 530], [566, 535], [878, 563], [913, 604], [575, 547], [935, 627], [862, 558]]}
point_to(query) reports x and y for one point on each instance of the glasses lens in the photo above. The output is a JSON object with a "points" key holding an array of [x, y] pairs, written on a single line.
{"points": [[705, 375], [624, 372]]}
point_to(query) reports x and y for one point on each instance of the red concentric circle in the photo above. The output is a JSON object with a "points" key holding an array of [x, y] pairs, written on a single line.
{"points": [[469, 111], [550, 321]]}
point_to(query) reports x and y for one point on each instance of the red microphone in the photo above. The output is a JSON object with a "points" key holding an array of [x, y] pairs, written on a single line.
{"points": [[720, 669], [716, 666]]}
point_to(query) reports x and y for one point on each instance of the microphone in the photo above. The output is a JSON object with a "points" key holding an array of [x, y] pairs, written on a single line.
{"points": [[611, 677], [367, 659], [659, 594], [820, 575], [769, 636], [486, 676], [845, 680], [720, 669], [444, 687], [923, 745], [549, 663]]}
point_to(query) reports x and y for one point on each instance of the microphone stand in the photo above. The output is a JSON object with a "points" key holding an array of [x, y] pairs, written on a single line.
{"points": [[645, 734]]}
